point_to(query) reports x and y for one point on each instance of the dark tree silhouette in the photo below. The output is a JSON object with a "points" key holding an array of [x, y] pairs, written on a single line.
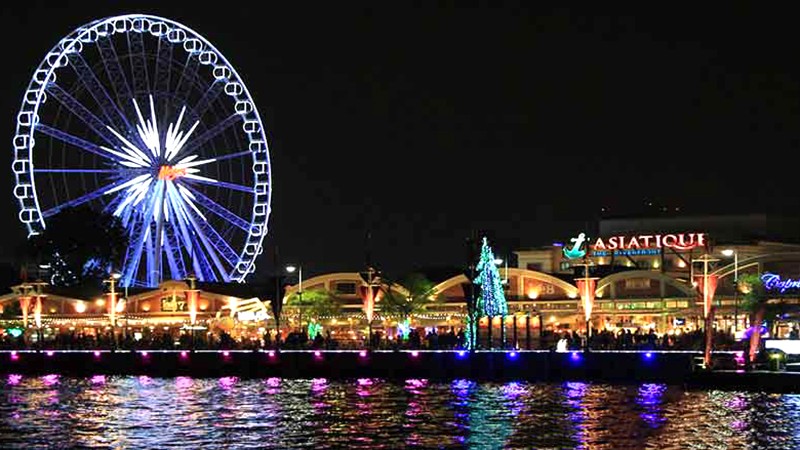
{"points": [[81, 246]]}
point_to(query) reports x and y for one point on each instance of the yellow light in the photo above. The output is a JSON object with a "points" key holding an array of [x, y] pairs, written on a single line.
{"points": [[573, 294], [656, 264], [80, 307], [681, 263], [552, 318], [533, 294], [146, 306], [100, 302]]}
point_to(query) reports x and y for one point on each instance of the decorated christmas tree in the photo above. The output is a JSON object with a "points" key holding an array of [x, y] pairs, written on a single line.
{"points": [[492, 299]]}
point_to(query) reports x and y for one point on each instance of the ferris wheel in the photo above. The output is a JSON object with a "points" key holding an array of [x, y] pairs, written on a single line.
{"points": [[141, 117]]}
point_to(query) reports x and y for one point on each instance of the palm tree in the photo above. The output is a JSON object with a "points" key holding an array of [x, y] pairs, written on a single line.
{"points": [[314, 303], [419, 296], [755, 302]]}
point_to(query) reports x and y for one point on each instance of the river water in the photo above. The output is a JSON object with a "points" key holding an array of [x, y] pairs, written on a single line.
{"points": [[141, 412]]}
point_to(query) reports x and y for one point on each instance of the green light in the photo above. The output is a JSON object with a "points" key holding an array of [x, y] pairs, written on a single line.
{"points": [[15, 332]]}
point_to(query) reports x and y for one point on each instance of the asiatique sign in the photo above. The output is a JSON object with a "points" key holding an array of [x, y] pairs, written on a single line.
{"points": [[642, 244]]}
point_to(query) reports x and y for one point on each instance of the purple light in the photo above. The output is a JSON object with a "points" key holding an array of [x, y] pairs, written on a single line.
{"points": [[414, 353], [144, 380], [14, 355], [364, 382], [184, 354], [271, 353], [512, 355], [462, 353], [14, 379], [273, 382], [648, 355], [183, 382], [575, 356], [50, 380], [98, 379], [144, 354], [50, 353], [97, 353], [362, 353], [226, 353], [318, 354], [227, 382]]}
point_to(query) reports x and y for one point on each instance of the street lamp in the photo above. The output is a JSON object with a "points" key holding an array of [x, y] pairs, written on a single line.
{"points": [[112, 305], [731, 252], [292, 268]]}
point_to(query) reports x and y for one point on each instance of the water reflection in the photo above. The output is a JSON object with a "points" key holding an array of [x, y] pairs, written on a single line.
{"points": [[142, 412], [649, 399]]}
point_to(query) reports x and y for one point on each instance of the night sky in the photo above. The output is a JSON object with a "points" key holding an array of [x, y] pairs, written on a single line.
{"points": [[422, 123]]}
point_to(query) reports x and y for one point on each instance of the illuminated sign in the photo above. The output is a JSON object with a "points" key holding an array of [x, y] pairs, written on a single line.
{"points": [[577, 250], [173, 304], [644, 244], [170, 173], [681, 241], [774, 282]]}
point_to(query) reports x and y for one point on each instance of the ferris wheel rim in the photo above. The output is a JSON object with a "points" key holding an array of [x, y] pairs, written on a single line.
{"points": [[27, 121]]}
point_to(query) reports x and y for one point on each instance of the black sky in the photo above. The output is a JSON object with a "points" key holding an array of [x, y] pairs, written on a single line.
{"points": [[423, 122]]}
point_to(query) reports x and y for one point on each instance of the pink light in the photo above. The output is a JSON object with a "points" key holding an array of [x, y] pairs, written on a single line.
{"points": [[98, 379], [271, 354], [184, 354], [14, 379], [273, 382], [183, 382], [50, 353], [50, 380], [414, 353], [97, 353], [14, 355], [318, 354], [363, 353], [226, 353], [144, 354]]}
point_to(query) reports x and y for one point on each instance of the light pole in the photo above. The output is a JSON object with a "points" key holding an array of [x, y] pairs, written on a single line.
{"points": [[112, 305], [732, 252], [292, 268]]}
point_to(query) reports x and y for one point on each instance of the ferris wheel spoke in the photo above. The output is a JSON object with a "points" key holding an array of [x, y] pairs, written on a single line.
{"points": [[141, 84], [77, 170], [218, 209], [209, 134], [80, 111], [203, 180], [114, 71], [163, 60], [139, 232], [187, 75], [208, 98], [233, 155], [213, 244], [89, 80], [74, 141], [83, 198]]}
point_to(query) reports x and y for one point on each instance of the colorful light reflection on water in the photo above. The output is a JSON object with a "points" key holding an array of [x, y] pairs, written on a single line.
{"points": [[141, 412]]}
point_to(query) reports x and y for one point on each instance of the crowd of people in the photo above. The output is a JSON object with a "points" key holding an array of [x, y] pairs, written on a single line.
{"points": [[430, 338]]}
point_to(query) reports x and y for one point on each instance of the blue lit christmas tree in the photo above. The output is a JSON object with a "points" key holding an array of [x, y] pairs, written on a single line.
{"points": [[493, 297]]}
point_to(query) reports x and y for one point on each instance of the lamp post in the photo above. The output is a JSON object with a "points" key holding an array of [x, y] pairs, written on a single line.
{"points": [[112, 305], [292, 268], [732, 252], [707, 285]]}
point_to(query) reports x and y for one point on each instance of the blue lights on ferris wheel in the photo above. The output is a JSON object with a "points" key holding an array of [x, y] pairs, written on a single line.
{"points": [[143, 118]]}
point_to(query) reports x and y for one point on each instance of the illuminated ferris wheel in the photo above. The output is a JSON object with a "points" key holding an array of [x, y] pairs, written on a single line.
{"points": [[143, 118]]}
